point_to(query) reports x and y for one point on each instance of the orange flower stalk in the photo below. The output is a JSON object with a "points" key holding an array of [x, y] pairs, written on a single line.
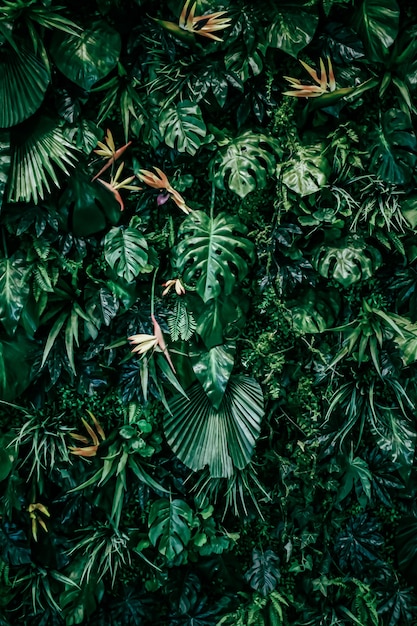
{"points": [[108, 150], [325, 83], [93, 443], [34, 510], [189, 25], [161, 182], [114, 185]]}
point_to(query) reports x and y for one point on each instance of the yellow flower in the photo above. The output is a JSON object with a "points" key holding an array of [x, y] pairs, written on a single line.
{"points": [[174, 282], [93, 443], [34, 510]]}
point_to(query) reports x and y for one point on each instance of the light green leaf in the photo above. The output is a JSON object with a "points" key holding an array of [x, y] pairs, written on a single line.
{"points": [[307, 171], [87, 58], [169, 526], [244, 163], [292, 28], [212, 369], [182, 126], [348, 262], [377, 22], [126, 251], [213, 253]]}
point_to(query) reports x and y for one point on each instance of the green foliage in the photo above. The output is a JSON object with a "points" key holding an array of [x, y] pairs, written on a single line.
{"points": [[208, 376]]}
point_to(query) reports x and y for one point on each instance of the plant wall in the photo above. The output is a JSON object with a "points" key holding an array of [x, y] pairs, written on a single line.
{"points": [[208, 313]]}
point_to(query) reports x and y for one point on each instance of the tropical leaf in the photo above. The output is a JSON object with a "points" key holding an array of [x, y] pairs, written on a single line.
{"points": [[358, 544], [377, 22], [182, 126], [126, 251], [24, 79], [36, 149], [292, 29], [245, 163], [169, 526], [307, 171], [212, 369], [15, 365], [352, 260], [181, 323], [221, 439], [213, 253], [14, 290], [394, 148], [264, 574], [4, 161], [87, 58]]}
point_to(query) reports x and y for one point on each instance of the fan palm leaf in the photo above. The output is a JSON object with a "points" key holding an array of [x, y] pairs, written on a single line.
{"points": [[222, 439], [34, 157], [24, 79]]}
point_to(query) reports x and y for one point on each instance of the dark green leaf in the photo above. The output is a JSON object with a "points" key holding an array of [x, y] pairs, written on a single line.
{"points": [[183, 127], [292, 29], [87, 58], [169, 526], [377, 22], [264, 574], [14, 291]]}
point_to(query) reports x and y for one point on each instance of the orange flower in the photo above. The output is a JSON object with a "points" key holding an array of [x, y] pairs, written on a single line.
{"points": [[108, 150], [114, 185], [161, 182], [325, 83], [189, 25], [94, 441]]}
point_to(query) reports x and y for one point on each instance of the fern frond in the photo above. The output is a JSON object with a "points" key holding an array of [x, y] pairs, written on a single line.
{"points": [[181, 323]]}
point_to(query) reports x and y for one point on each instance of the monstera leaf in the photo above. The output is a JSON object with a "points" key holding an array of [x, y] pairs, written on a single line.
{"points": [[394, 154], [212, 369], [169, 526], [35, 150], [350, 261], [213, 253], [244, 163], [24, 79], [264, 574], [377, 23], [223, 439], [87, 58], [126, 251], [307, 171], [182, 127], [292, 29]]}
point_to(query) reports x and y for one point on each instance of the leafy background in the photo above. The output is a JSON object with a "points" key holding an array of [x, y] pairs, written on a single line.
{"points": [[253, 461]]}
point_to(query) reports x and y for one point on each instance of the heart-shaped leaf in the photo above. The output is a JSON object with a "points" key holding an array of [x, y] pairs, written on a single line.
{"points": [[292, 29], [213, 368]]}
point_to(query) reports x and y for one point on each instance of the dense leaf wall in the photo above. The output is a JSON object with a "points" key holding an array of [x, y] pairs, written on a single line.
{"points": [[208, 313]]}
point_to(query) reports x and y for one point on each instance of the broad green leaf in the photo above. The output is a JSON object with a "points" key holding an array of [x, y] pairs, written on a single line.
{"points": [[169, 526], [212, 369], [14, 291], [394, 148], [89, 205], [244, 163], [4, 162], [348, 262], [292, 28], [213, 253], [313, 311], [24, 79], [307, 171], [183, 127], [377, 22], [37, 148], [220, 319], [126, 251], [87, 58], [15, 365], [222, 439]]}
